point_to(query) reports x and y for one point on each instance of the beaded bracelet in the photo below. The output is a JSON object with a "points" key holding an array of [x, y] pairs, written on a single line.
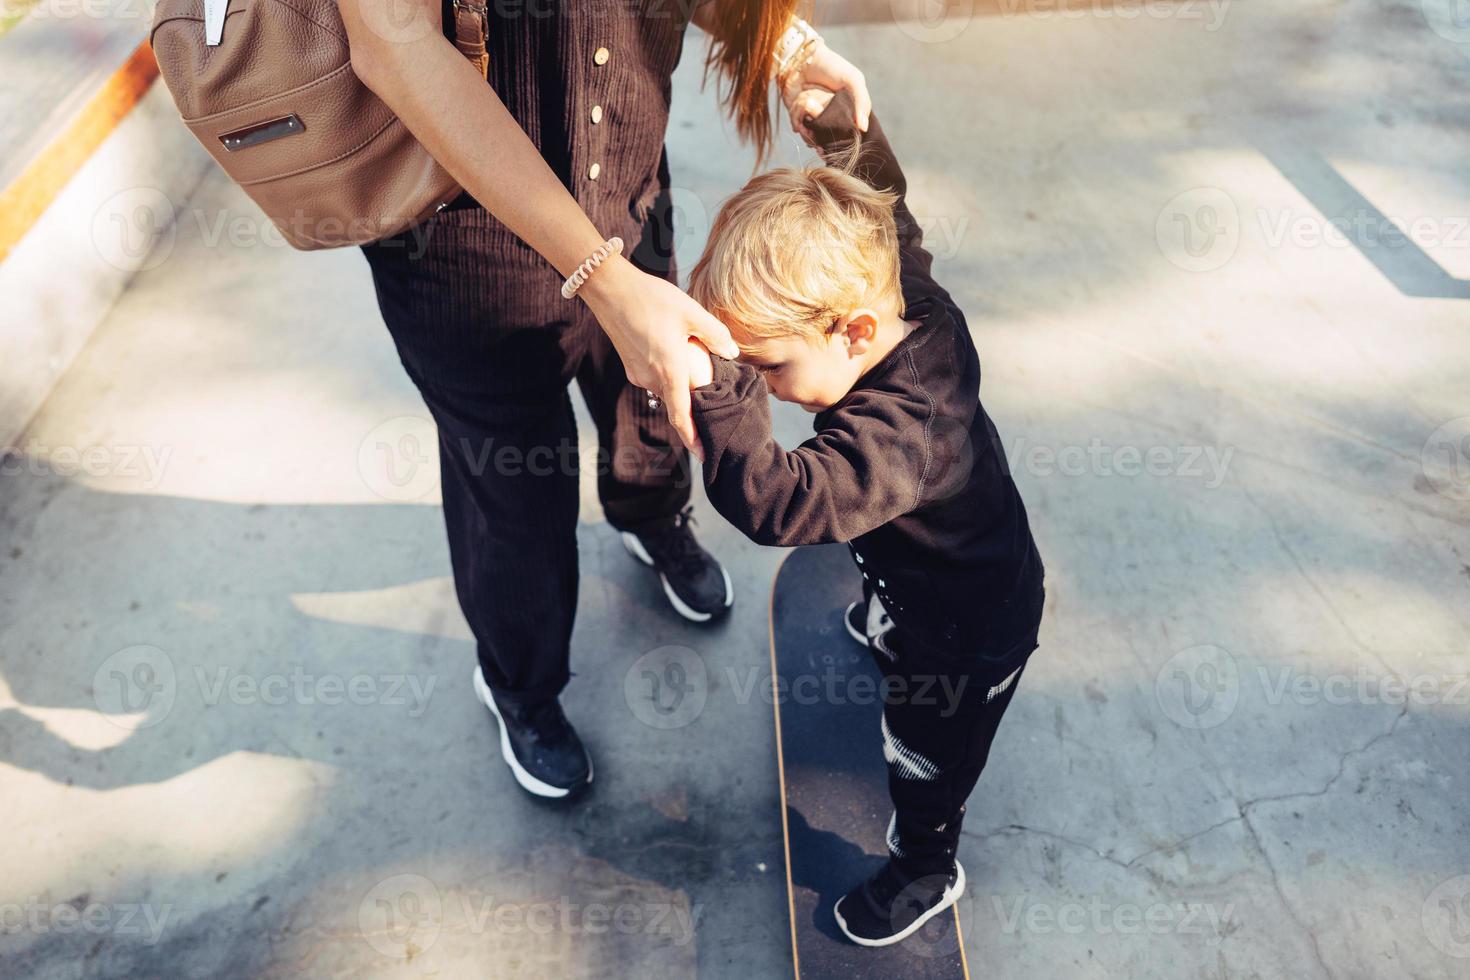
{"points": [[796, 47], [613, 246]]}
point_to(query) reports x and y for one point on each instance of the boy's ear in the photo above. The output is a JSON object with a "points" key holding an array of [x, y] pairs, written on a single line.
{"points": [[858, 329]]}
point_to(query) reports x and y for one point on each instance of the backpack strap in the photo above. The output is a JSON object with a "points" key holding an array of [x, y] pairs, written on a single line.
{"points": [[471, 29]]}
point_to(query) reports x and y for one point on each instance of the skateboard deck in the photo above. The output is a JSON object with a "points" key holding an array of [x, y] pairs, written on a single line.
{"points": [[834, 784]]}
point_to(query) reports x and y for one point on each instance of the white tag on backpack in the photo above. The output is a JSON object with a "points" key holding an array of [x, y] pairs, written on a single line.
{"points": [[214, 21]]}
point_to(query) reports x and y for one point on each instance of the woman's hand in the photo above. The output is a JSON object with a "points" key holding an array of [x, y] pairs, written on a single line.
{"points": [[807, 90], [650, 322]]}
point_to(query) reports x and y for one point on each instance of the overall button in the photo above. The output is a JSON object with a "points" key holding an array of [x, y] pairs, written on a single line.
{"points": [[596, 114], [593, 171], [601, 56]]}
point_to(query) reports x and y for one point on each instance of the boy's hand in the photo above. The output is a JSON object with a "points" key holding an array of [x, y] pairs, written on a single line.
{"points": [[701, 368], [803, 103]]}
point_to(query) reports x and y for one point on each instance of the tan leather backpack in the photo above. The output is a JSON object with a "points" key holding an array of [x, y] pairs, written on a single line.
{"points": [[277, 104]]}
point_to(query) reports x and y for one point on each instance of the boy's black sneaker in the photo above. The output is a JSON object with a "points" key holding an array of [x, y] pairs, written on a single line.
{"points": [[697, 587], [540, 745], [890, 906], [856, 621]]}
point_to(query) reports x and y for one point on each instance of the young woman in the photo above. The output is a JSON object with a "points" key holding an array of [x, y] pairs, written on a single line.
{"points": [[560, 155]]}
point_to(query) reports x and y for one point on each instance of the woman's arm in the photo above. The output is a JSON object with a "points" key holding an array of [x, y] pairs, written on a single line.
{"points": [[824, 70], [463, 124]]}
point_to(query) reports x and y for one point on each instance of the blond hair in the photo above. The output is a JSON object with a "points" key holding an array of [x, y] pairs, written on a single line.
{"points": [[796, 249]]}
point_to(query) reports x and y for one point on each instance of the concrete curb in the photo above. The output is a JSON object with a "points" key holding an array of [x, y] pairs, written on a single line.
{"points": [[63, 276]]}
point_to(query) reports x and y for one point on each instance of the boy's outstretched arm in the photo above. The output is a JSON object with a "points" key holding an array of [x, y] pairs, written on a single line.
{"points": [[877, 166], [877, 451], [863, 469]]}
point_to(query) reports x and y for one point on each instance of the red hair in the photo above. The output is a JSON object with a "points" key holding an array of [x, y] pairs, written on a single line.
{"points": [[745, 36]]}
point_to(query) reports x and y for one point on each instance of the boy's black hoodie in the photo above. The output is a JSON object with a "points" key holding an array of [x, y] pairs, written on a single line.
{"points": [[907, 468]]}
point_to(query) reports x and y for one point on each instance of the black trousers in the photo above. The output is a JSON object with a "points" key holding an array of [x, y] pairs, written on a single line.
{"points": [[940, 716], [482, 330]]}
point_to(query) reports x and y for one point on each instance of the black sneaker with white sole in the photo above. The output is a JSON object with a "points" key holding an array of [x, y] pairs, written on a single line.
{"points": [[856, 619], [890, 906], [697, 586], [540, 746]]}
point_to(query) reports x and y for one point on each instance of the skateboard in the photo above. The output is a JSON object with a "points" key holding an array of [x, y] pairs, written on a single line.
{"points": [[834, 784]]}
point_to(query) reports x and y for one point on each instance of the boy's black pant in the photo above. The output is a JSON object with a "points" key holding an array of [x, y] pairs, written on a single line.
{"points": [[940, 716], [482, 329]]}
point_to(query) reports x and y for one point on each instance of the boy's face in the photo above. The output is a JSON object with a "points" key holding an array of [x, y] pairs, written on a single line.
{"points": [[815, 373]]}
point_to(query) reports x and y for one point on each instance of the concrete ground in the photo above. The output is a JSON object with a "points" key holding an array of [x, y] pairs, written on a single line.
{"points": [[236, 738]]}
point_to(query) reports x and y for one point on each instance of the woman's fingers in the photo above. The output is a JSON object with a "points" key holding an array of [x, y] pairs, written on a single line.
{"points": [[681, 417], [829, 69], [793, 108], [713, 334], [650, 321], [862, 104]]}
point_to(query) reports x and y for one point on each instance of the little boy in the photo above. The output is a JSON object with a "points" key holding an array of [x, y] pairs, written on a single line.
{"points": [[820, 275]]}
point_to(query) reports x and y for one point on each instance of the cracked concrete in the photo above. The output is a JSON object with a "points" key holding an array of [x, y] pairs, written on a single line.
{"points": [[1239, 752]]}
